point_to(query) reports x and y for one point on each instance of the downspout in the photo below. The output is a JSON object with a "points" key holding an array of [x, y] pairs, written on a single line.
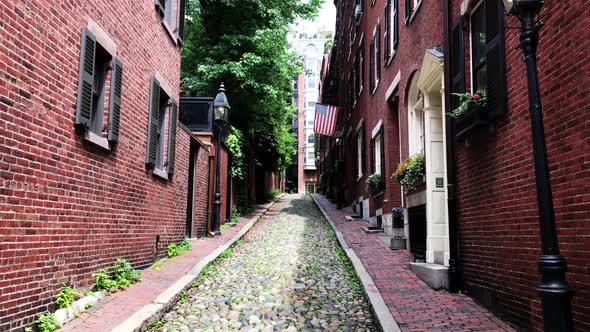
{"points": [[455, 282]]}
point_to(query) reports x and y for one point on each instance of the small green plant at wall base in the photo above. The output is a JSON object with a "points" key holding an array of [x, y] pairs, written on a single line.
{"points": [[28, 329], [177, 249], [410, 172], [47, 322], [469, 101], [102, 281], [124, 274], [66, 296], [157, 265], [270, 195], [374, 183], [152, 326]]}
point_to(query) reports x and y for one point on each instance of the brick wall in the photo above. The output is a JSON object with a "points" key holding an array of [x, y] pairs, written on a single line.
{"points": [[414, 39], [201, 193], [68, 208], [496, 186]]}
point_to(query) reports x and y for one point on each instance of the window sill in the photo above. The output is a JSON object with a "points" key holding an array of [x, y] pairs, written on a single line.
{"points": [[375, 88], [414, 12], [160, 172], [390, 58], [97, 140], [359, 177]]}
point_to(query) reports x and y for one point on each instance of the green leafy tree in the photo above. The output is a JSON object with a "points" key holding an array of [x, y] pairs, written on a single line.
{"points": [[244, 44]]}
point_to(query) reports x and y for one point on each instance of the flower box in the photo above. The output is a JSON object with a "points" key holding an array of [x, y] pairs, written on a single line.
{"points": [[469, 121]]}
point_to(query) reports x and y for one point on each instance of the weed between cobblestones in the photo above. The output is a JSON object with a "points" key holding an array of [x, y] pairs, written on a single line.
{"points": [[288, 274]]}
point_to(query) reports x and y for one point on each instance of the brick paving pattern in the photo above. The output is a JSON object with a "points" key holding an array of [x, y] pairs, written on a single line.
{"points": [[414, 305], [117, 307]]}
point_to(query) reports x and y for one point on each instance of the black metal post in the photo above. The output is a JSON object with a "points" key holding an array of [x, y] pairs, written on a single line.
{"points": [[554, 290], [215, 226]]}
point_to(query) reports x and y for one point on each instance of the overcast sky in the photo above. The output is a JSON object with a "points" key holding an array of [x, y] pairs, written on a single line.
{"points": [[326, 20]]}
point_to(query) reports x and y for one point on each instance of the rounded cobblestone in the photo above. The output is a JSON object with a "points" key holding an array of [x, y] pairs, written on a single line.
{"points": [[286, 275]]}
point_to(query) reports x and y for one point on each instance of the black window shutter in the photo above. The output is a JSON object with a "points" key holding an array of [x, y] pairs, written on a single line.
{"points": [[457, 61], [386, 32], [408, 10], [378, 53], [153, 118], [382, 153], [373, 161], [115, 99], [395, 27], [363, 153], [496, 66], [181, 19], [86, 79], [372, 66], [160, 5], [172, 137]]}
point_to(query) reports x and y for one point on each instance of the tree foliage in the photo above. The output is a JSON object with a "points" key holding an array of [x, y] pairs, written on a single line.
{"points": [[244, 44]]}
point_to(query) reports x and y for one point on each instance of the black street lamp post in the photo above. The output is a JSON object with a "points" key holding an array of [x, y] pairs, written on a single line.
{"points": [[554, 290], [221, 113]]}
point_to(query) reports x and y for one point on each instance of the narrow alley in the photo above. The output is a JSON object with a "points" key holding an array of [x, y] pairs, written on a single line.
{"points": [[288, 274]]}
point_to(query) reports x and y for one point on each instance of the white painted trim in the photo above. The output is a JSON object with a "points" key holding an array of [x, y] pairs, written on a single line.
{"points": [[164, 84], [102, 38], [359, 125], [376, 129], [160, 172], [97, 140], [393, 86]]}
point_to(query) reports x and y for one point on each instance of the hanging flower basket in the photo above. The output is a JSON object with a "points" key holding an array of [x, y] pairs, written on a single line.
{"points": [[410, 172], [471, 112], [375, 184]]}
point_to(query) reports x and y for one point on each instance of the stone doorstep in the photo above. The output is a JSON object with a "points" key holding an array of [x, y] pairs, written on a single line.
{"points": [[67, 314], [168, 298], [372, 230], [353, 218], [394, 242], [434, 275]]}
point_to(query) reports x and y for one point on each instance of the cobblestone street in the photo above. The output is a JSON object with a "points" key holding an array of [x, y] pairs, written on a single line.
{"points": [[288, 274]]}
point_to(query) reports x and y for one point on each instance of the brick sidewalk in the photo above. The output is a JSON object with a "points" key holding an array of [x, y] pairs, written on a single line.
{"points": [[117, 307], [413, 304]]}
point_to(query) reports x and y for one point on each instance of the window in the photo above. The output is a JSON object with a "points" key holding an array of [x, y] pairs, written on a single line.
{"points": [[378, 153], [311, 105], [457, 63], [310, 138], [358, 68], [161, 147], [311, 82], [391, 30], [415, 118], [311, 64], [310, 123], [374, 60], [487, 55], [98, 113], [411, 7], [169, 12], [360, 150]]}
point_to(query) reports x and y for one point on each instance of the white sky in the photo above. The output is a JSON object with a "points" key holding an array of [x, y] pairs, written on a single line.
{"points": [[326, 21]]}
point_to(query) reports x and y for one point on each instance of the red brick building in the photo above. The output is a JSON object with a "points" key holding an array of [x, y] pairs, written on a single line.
{"points": [[386, 73], [496, 193], [394, 107], [93, 163]]}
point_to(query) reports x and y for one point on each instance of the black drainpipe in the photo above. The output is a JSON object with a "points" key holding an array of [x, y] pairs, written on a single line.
{"points": [[455, 283]]}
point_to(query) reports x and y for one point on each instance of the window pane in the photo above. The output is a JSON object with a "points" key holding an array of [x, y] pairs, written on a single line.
{"points": [[481, 76], [478, 35]]}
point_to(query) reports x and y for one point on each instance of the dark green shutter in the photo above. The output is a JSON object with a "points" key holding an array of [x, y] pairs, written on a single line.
{"points": [[115, 99], [172, 137], [181, 11], [153, 119], [408, 10], [86, 79], [382, 153], [496, 66], [372, 66], [457, 59]]}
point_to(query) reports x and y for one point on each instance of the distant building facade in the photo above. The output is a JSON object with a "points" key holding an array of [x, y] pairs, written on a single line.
{"points": [[311, 50]]}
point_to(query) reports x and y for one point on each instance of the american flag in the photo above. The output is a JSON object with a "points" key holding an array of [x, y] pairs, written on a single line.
{"points": [[325, 119]]}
